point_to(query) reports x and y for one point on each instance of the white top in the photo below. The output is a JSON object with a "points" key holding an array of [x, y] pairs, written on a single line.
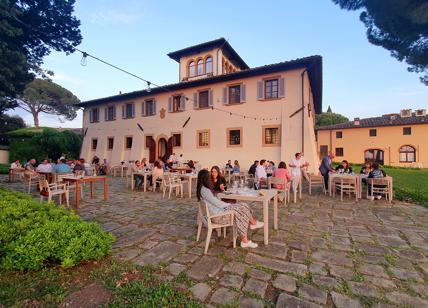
{"points": [[15, 165], [44, 168], [296, 170], [157, 173], [172, 158], [261, 172], [180, 160]]}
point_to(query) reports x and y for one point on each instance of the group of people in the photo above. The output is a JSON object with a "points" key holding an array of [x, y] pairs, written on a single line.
{"points": [[156, 175]]}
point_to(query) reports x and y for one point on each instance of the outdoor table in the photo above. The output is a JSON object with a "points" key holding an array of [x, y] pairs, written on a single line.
{"points": [[254, 195], [145, 174], [358, 177], [78, 181], [181, 170], [189, 177], [13, 172]]}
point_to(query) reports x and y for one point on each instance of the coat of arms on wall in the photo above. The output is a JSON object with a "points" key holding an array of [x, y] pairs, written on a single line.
{"points": [[162, 113]]}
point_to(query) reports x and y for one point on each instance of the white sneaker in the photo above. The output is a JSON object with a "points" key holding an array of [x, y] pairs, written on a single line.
{"points": [[257, 225], [371, 198], [249, 244], [379, 197]]}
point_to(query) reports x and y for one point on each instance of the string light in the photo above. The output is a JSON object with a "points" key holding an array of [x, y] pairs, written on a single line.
{"points": [[148, 86], [83, 61]]}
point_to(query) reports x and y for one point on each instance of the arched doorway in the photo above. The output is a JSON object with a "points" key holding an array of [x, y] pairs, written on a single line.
{"points": [[162, 149]]}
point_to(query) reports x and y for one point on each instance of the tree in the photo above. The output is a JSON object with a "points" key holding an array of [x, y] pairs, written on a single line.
{"points": [[329, 118], [42, 95], [29, 30], [7, 124], [400, 26]]}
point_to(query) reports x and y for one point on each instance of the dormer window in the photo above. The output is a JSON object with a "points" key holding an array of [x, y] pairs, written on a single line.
{"points": [[209, 65], [200, 67], [192, 69]]}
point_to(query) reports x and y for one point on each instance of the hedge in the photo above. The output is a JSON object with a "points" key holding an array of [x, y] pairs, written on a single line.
{"points": [[34, 235]]}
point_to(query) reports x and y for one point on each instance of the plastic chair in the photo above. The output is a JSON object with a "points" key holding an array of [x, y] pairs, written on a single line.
{"points": [[205, 218], [53, 190], [171, 182]]}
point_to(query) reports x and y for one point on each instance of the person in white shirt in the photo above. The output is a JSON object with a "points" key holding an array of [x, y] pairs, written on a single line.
{"points": [[172, 158], [44, 167], [16, 165], [296, 166], [180, 160], [261, 174]]}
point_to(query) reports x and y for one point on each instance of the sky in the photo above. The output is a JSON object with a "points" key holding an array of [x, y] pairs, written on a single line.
{"points": [[359, 79]]}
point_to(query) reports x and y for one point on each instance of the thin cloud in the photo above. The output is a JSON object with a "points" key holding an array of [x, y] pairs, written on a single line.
{"points": [[110, 16]]}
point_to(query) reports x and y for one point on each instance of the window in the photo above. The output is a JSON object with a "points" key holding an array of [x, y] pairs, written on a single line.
{"points": [[339, 151], [407, 154], [339, 135], [271, 135], [209, 65], [94, 144], [373, 132], [200, 67], [407, 130], [128, 111], [374, 155], [203, 139], [323, 150], [149, 108], [192, 69], [176, 140], [128, 143], [110, 143], [94, 115], [203, 99], [176, 103], [271, 88], [234, 94], [234, 137], [148, 140], [110, 113]]}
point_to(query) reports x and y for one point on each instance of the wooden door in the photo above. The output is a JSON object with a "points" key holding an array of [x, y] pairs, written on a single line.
{"points": [[151, 144]]}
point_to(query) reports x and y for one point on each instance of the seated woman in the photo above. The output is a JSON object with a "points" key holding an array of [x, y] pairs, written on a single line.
{"points": [[236, 168], [376, 173], [366, 169], [344, 167], [282, 173], [242, 213], [157, 174], [219, 182], [191, 165]]}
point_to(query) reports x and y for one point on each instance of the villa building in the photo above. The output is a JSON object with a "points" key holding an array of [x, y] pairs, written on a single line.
{"points": [[220, 109], [392, 139]]}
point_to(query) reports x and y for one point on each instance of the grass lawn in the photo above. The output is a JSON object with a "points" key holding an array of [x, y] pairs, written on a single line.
{"points": [[123, 284]]}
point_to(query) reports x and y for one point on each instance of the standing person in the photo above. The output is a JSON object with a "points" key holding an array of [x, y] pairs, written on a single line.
{"points": [[326, 167], [219, 182], [296, 170], [180, 160], [253, 167], [243, 218], [172, 158]]}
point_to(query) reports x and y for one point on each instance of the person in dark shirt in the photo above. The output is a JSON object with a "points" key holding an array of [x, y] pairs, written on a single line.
{"points": [[326, 167], [253, 167], [219, 182], [344, 167]]}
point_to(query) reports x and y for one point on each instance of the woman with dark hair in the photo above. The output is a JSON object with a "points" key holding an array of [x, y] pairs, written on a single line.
{"points": [[157, 174], [344, 167], [242, 213], [282, 173], [191, 165], [219, 182]]}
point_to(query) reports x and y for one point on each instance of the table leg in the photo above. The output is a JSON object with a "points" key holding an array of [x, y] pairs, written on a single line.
{"points": [[266, 221], [77, 194], [91, 185], [190, 187], [105, 189], [145, 182], [275, 212], [329, 185]]}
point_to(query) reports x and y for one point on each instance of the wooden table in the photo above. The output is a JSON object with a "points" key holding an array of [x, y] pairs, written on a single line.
{"points": [[189, 177], [181, 169], [145, 174], [359, 180], [13, 172], [87, 179], [254, 195]]}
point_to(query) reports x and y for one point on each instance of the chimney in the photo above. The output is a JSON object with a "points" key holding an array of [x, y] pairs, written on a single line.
{"points": [[405, 113], [356, 121], [421, 112], [120, 92]]}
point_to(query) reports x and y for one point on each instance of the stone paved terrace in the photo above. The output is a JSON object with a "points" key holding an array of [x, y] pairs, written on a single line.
{"points": [[325, 253]]}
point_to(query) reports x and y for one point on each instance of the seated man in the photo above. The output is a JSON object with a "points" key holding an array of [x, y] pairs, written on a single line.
{"points": [[253, 167], [62, 167], [44, 167], [261, 174]]}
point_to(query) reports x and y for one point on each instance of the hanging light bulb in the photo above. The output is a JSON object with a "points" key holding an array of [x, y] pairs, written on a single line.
{"points": [[148, 86], [83, 61]]}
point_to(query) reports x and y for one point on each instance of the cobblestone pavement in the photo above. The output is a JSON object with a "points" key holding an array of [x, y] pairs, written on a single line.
{"points": [[325, 253]]}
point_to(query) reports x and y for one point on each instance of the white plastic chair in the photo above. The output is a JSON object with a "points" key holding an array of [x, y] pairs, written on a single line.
{"points": [[171, 182], [54, 189], [205, 218]]}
